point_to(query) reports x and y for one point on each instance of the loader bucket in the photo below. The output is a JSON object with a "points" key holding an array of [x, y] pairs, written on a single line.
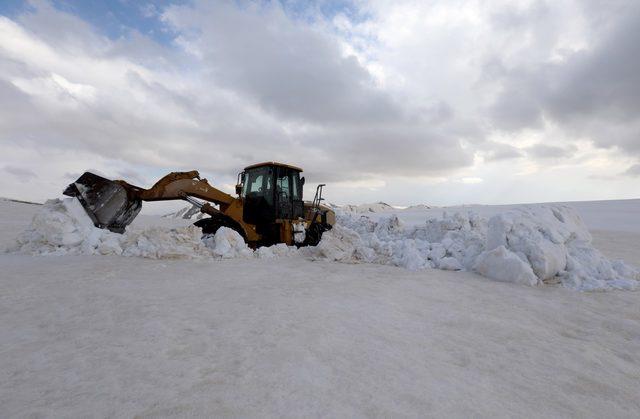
{"points": [[106, 202]]}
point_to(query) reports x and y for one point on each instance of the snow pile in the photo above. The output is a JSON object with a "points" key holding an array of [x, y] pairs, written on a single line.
{"points": [[62, 227], [451, 243], [418, 207], [554, 243], [186, 213], [365, 208], [528, 245]]}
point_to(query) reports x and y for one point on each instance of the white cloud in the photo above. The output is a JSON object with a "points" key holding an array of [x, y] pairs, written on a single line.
{"points": [[471, 180], [404, 90]]}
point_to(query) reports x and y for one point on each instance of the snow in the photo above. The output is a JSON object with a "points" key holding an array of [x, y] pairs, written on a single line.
{"points": [[617, 215], [227, 243], [62, 227], [190, 212], [111, 336], [551, 242], [418, 207], [367, 208], [502, 264]]}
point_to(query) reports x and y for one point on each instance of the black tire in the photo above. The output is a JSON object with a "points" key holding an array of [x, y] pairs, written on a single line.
{"points": [[314, 234], [210, 226]]}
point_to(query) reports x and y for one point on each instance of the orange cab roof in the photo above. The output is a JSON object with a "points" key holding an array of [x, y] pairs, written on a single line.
{"points": [[273, 163]]}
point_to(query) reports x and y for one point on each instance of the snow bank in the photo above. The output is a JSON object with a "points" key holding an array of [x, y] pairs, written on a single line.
{"points": [[61, 227], [527, 245], [556, 244], [367, 208], [187, 213]]}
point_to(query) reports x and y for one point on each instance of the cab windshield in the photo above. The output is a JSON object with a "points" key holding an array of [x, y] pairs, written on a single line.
{"points": [[257, 182]]}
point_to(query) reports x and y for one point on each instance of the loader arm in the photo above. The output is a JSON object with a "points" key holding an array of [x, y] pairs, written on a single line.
{"points": [[114, 204], [176, 185]]}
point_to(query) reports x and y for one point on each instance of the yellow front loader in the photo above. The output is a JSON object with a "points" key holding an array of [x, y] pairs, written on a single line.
{"points": [[268, 208]]}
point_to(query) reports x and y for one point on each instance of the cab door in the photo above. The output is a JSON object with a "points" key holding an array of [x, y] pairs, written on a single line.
{"points": [[283, 194], [258, 196], [296, 195]]}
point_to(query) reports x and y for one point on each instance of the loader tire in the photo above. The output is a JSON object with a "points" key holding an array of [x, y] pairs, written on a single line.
{"points": [[210, 226], [314, 234]]}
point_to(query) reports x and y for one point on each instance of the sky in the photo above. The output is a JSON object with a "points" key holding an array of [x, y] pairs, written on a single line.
{"points": [[407, 102]]}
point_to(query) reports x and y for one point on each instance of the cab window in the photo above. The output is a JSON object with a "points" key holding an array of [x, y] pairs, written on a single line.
{"points": [[257, 182], [282, 186], [295, 186]]}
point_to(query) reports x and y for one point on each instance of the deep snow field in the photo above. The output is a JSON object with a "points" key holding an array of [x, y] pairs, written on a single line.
{"points": [[296, 334]]}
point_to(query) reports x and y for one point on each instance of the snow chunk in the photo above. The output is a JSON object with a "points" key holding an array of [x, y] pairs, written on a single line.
{"points": [[450, 264], [276, 251], [227, 243], [503, 265], [338, 244]]}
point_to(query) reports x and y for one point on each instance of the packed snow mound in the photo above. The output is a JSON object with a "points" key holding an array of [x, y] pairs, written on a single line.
{"points": [[62, 227], [527, 245], [555, 242], [366, 208], [418, 207], [187, 213]]}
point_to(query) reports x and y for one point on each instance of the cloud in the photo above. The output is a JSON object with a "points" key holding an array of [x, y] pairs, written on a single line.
{"points": [[500, 151], [260, 83], [381, 91], [633, 171], [287, 67], [544, 151], [23, 174], [471, 180], [591, 91]]}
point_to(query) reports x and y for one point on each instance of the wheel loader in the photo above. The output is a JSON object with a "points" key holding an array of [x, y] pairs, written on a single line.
{"points": [[268, 209]]}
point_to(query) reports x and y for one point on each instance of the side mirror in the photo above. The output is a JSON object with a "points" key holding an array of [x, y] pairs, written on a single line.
{"points": [[238, 189], [302, 180]]}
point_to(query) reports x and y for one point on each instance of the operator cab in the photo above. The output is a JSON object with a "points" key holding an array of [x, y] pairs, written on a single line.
{"points": [[271, 191]]}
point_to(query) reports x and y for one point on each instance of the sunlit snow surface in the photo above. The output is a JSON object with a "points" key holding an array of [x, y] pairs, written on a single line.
{"points": [[532, 244], [272, 336]]}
